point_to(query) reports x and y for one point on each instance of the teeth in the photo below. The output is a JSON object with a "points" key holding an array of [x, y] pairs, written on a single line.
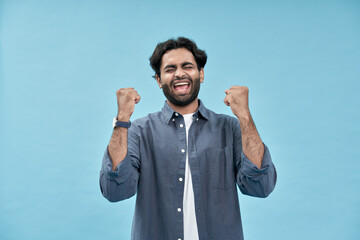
{"points": [[182, 83]]}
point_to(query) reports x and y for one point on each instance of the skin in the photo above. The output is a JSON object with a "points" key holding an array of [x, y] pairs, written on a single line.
{"points": [[180, 64], [177, 66], [126, 100], [237, 98]]}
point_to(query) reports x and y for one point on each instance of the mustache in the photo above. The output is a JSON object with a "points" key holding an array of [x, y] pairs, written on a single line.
{"points": [[181, 78]]}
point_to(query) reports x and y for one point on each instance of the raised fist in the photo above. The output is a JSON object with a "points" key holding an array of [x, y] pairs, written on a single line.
{"points": [[237, 97], [126, 100]]}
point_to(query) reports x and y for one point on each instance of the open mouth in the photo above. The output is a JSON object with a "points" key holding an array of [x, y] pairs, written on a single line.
{"points": [[181, 87]]}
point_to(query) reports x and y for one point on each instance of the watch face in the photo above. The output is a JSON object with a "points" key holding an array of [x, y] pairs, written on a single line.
{"points": [[114, 122]]}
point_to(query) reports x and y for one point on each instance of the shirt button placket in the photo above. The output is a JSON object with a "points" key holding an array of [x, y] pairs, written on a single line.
{"points": [[181, 125]]}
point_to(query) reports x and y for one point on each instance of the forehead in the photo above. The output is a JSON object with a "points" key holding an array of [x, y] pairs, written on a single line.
{"points": [[177, 56]]}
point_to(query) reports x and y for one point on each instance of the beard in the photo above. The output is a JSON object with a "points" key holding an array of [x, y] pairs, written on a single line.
{"points": [[182, 100]]}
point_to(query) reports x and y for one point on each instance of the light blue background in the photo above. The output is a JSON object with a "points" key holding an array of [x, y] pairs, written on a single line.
{"points": [[62, 61]]}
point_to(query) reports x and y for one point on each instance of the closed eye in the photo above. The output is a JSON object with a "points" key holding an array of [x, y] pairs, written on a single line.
{"points": [[187, 65], [169, 69]]}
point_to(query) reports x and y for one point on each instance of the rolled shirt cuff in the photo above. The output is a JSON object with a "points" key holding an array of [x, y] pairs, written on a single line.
{"points": [[122, 171], [250, 169]]}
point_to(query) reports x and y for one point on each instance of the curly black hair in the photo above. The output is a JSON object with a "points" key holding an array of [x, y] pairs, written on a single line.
{"points": [[181, 42]]}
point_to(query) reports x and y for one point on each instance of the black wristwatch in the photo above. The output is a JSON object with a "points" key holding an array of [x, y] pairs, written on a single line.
{"points": [[117, 123]]}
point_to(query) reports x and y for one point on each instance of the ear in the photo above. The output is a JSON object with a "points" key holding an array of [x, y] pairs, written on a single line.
{"points": [[158, 80], [202, 75]]}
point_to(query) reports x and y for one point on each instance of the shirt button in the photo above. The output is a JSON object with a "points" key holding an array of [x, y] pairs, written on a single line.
{"points": [[179, 238], [176, 114], [182, 150], [181, 125], [181, 179], [179, 209], [197, 119], [173, 119]]}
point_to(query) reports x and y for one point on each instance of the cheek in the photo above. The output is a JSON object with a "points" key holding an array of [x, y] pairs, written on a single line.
{"points": [[195, 74], [166, 79]]}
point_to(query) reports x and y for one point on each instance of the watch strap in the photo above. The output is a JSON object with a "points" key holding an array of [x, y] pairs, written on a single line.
{"points": [[117, 123]]}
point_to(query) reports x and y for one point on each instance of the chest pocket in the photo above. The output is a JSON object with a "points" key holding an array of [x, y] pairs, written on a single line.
{"points": [[219, 166]]}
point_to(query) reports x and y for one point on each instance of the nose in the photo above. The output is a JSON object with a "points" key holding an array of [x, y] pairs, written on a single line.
{"points": [[179, 73]]}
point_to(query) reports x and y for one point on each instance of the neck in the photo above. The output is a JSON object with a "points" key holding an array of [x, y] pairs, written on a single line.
{"points": [[190, 108]]}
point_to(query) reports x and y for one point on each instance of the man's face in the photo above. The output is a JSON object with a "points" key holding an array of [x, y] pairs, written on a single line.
{"points": [[180, 78]]}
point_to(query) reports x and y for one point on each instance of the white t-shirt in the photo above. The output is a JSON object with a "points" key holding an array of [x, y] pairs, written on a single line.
{"points": [[190, 226]]}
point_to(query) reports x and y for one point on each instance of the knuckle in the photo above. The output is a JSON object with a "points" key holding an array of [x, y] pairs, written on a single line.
{"points": [[121, 91]]}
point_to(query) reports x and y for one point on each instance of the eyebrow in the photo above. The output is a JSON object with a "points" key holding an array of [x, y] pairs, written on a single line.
{"points": [[186, 63], [174, 66], [169, 66]]}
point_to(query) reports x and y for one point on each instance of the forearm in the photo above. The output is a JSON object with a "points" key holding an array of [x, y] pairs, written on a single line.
{"points": [[118, 146], [126, 99], [252, 145]]}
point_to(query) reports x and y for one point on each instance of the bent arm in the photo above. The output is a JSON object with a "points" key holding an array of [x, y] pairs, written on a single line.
{"points": [[119, 173], [257, 176]]}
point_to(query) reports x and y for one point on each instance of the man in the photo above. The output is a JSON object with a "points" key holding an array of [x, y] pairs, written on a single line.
{"points": [[184, 161]]}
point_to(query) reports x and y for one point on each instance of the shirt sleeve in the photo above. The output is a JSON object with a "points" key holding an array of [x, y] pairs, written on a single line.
{"points": [[250, 179], [121, 183]]}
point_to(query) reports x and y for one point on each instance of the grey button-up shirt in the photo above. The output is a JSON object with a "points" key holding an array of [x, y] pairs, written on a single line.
{"points": [[154, 168]]}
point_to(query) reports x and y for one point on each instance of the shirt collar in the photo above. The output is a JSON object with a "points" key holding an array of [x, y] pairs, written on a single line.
{"points": [[168, 112]]}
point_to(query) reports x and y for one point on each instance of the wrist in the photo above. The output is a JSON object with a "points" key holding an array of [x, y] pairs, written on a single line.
{"points": [[121, 124], [123, 117], [243, 114]]}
